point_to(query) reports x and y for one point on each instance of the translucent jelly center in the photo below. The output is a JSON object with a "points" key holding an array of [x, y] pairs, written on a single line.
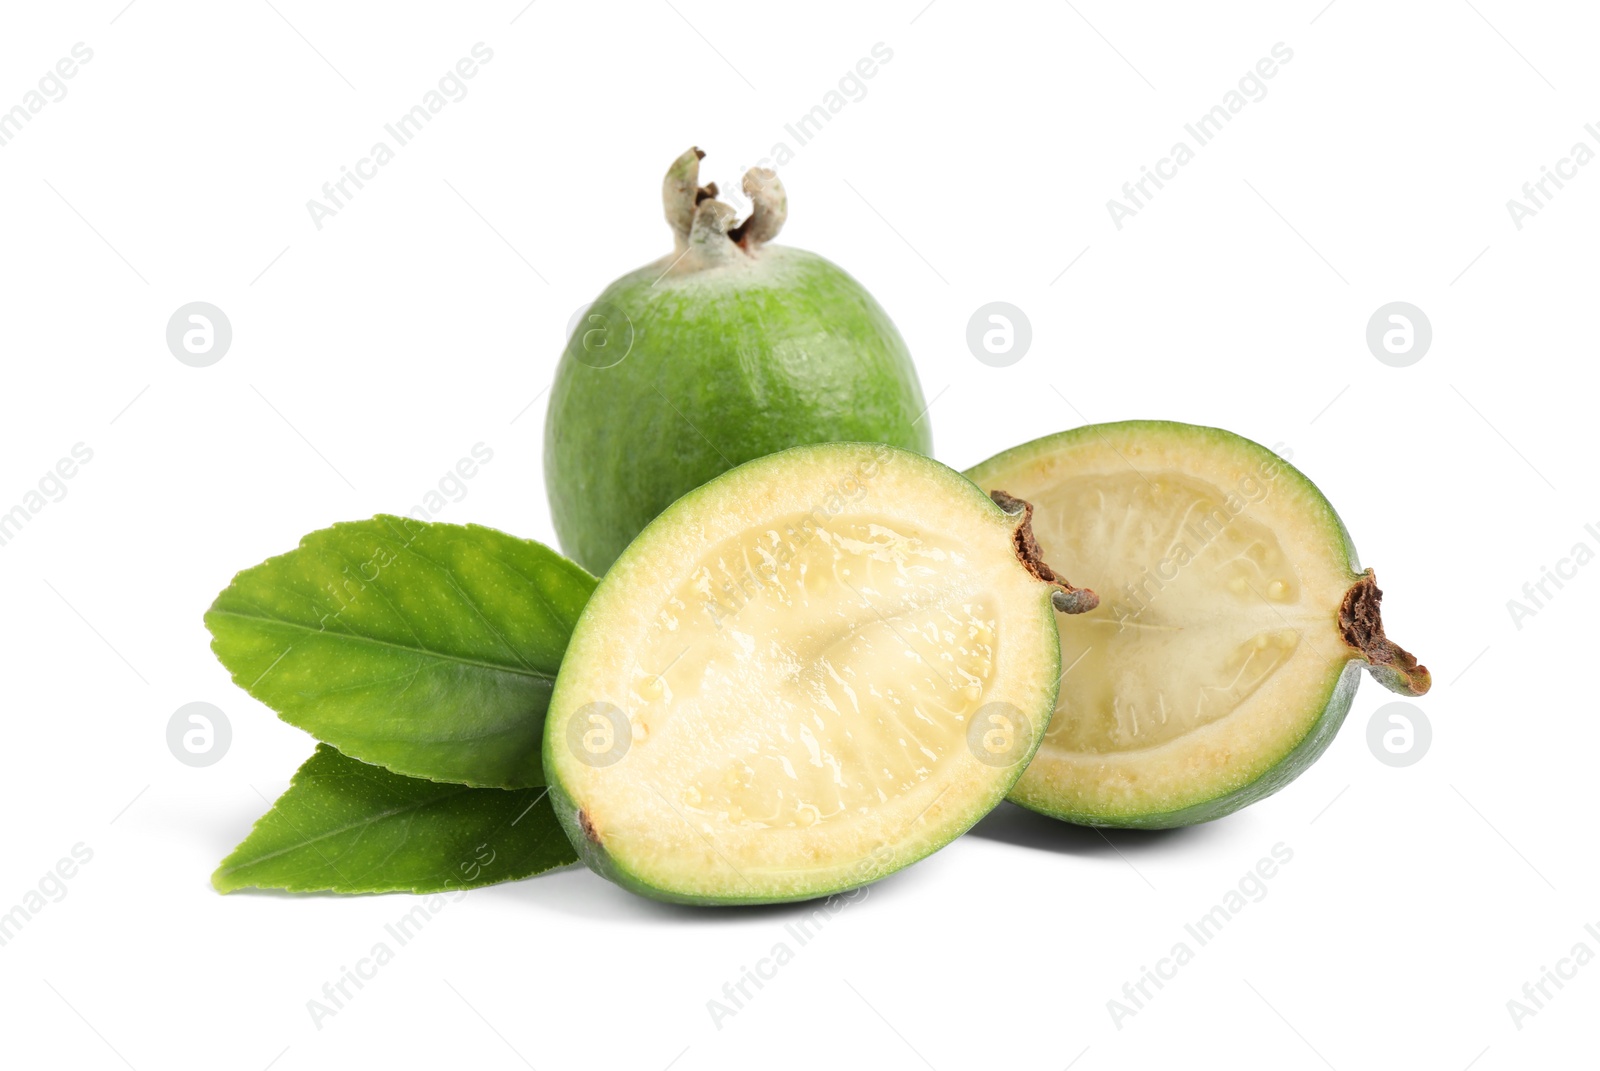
{"points": [[1199, 606], [815, 669]]}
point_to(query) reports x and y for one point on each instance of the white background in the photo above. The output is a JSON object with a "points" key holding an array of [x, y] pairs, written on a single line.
{"points": [[428, 314]]}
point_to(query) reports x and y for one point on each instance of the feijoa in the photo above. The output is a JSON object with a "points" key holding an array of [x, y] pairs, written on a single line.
{"points": [[808, 673], [1235, 625], [723, 350]]}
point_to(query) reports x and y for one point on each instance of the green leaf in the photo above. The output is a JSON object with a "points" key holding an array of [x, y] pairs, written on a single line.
{"points": [[344, 826], [427, 648]]}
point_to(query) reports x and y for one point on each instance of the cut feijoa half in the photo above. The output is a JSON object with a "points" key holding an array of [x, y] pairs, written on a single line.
{"points": [[1235, 621], [808, 673]]}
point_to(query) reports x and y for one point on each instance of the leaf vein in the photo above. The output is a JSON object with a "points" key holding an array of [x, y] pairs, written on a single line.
{"points": [[520, 669], [362, 824]]}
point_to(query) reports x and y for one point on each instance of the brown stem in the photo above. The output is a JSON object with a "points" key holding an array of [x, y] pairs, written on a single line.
{"points": [[1067, 599], [1361, 626]]}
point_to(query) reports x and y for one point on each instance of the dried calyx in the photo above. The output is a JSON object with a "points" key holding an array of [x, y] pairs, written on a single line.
{"points": [[705, 229], [1067, 599], [1361, 627]]}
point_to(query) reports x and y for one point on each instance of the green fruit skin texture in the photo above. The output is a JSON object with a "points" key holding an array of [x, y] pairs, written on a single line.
{"points": [[727, 364], [1325, 711]]}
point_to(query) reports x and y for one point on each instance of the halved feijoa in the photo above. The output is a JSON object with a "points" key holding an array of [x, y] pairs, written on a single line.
{"points": [[810, 672], [1236, 616]]}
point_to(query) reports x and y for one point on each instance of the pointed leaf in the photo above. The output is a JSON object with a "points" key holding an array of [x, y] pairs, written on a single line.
{"points": [[427, 648], [345, 826]]}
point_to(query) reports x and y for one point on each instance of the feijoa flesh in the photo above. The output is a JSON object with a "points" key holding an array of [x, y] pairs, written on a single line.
{"points": [[802, 676], [1235, 624]]}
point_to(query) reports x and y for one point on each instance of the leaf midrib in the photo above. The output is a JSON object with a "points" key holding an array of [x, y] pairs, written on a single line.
{"points": [[361, 823], [521, 670]]}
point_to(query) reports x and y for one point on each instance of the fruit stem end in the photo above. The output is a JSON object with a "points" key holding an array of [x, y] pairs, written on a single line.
{"points": [[1361, 626], [1066, 598], [704, 225]]}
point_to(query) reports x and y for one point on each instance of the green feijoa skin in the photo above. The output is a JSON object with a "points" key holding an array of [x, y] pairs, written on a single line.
{"points": [[348, 827], [802, 676], [427, 648], [726, 349], [1236, 625]]}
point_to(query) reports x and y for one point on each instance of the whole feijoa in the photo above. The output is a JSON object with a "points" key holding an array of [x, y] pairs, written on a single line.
{"points": [[724, 350]]}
